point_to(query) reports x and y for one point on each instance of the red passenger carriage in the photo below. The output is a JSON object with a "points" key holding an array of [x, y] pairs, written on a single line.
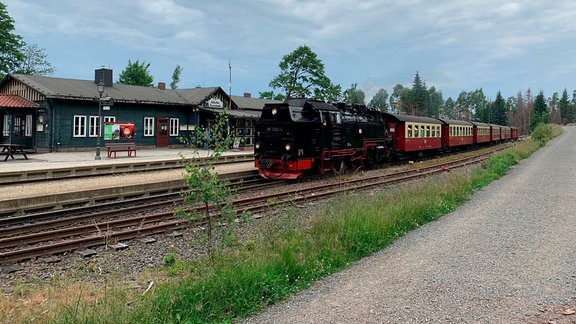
{"points": [[496, 133], [457, 133], [514, 133], [412, 134], [481, 133]]}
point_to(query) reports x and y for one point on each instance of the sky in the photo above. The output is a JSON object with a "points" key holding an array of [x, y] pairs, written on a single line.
{"points": [[455, 46]]}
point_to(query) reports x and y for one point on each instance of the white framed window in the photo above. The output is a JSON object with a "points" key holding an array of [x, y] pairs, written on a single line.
{"points": [[148, 126], [109, 119], [79, 126], [28, 126], [6, 126], [174, 126], [94, 126]]}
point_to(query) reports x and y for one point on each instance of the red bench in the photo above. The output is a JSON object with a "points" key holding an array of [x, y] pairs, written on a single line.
{"points": [[113, 147]]}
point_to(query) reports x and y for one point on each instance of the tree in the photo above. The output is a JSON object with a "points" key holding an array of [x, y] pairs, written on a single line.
{"points": [[176, 77], [330, 92], [209, 199], [34, 62], [553, 103], [136, 74], [420, 96], [302, 74], [407, 104], [271, 95], [539, 113], [499, 111], [395, 97], [436, 102], [354, 96], [449, 110], [11, 44], [380, 100], [566, 112]]}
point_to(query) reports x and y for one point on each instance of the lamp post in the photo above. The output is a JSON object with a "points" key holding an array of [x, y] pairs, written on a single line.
{"points": [[100, 91]]}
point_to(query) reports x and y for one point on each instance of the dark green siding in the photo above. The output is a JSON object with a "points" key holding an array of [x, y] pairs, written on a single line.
{"points": [[63, 112]]}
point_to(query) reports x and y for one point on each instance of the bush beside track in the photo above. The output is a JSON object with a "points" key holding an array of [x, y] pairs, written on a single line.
{"points": [[287, 257]]}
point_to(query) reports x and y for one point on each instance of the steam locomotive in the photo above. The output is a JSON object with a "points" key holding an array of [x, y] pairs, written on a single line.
{"points": [[303, 136]]}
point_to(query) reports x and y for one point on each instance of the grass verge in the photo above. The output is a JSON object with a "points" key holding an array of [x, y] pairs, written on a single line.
{"points": [[286, 257]]}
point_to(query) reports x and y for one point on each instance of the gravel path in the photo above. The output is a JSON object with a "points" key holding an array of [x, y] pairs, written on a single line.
{"points": [[507, 256]]}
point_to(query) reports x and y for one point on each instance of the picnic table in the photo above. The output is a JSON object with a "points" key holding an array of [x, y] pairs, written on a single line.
{"points": [[9, 150]]}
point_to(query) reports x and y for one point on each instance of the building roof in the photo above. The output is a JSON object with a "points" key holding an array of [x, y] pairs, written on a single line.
{"points": [[86, 90], [252, 103], [60, 88], [15, 101]]}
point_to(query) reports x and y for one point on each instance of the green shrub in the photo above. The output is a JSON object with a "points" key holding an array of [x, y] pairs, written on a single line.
{"points": [[542, 133]]}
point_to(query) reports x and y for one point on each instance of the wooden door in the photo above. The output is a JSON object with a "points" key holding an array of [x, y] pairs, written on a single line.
{"points": [[162, 133]]}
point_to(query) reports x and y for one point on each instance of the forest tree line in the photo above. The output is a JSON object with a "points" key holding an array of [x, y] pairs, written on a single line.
{"points": [[302, 75]]}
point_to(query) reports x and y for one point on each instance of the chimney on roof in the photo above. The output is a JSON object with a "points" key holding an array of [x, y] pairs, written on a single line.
{"points": [[104, 75], [162, 85], [247, 95]]}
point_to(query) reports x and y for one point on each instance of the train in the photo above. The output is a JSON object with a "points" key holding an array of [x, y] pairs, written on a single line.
{"points": [[305, 136]]}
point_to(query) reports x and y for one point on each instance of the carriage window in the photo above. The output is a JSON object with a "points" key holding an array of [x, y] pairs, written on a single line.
{"points": [[422, 131], [438, 131], [427, 131], [409, 131], [416, 131]]}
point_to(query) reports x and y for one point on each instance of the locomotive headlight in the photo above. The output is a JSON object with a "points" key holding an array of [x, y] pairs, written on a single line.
{"points": [[257, 145], [274, 111], [288, 147]]}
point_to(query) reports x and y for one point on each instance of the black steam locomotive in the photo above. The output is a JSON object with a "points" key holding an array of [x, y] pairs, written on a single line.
{"points": [[304, 135]]}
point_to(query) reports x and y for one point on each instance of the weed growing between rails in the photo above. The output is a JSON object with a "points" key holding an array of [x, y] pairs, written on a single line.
{"points": [[207, 195]]}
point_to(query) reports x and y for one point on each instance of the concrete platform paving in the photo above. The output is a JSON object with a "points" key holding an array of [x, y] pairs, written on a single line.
{"points": [[39, 161]]}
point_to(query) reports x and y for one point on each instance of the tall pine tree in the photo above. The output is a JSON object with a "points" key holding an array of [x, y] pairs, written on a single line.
{"points": [[566, 112], [539, 112], [420, 96], [499, 111]]}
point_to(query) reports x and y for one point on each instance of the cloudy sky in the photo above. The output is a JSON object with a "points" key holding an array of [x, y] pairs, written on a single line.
{"points": [[456, 46]]}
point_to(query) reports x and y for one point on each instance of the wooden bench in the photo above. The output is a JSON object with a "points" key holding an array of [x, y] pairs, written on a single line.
{"points": [[113, 147]]}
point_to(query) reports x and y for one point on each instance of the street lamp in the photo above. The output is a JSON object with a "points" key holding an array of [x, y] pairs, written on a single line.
{"points": [[100, 91]]}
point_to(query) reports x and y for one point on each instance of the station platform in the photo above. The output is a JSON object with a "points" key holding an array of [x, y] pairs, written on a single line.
{"points": [[57, 160], [70, 174]]}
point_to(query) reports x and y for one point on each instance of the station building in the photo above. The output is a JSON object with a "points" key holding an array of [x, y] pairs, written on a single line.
{"points": [[50, 114]]}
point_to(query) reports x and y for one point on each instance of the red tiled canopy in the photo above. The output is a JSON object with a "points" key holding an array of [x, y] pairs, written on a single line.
{"points": [[15, 101]]}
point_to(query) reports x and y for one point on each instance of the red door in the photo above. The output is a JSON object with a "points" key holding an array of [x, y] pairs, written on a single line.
{"points": [[162, 135]]}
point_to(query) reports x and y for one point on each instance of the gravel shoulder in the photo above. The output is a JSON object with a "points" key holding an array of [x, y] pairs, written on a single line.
{"points": [[506, 256]]}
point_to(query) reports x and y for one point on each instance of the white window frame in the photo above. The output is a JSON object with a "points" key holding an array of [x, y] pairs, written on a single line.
{"points": [[149, 124], [79, 126], [28, 126], [94, 123], [6, 126], [174, 126]]}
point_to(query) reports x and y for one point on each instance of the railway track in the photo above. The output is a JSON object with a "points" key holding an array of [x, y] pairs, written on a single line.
{"points": [[21, 242]]}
